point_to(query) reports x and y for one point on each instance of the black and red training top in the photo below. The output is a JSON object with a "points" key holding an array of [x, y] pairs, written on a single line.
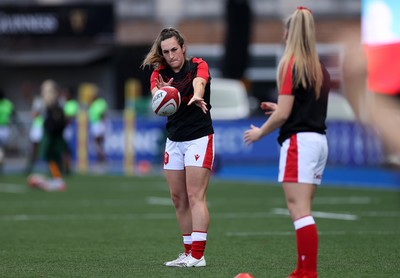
{"points": [[308, 112], [189, 122]]}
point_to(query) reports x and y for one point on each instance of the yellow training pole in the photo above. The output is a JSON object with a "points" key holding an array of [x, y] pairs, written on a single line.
{"points": [[132, 90], [85, 91]]}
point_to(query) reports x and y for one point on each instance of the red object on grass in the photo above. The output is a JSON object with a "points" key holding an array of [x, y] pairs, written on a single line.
{"points": [[244, 275]]}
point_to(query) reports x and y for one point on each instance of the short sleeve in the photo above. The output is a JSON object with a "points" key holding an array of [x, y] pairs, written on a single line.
{"points": [[153, 78], [202, 68], [287, 86]]}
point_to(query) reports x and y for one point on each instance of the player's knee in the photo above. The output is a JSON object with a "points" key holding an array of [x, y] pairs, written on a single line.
{"points": [[180, 201]]}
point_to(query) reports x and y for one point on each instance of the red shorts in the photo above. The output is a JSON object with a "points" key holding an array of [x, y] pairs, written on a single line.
{"points": [[384, 68]]}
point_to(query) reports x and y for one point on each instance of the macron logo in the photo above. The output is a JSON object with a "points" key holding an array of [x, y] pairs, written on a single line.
{"points": [[166, 158], [196, 157]]}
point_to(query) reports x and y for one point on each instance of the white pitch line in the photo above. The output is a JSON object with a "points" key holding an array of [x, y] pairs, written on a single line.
{"points": [[161, 216], [321, 233], [380, 213], [12, 188], [320, 214], [343, 200], [159, 201], [243, 215], [142, 216], [248, 234], [95, 217]]}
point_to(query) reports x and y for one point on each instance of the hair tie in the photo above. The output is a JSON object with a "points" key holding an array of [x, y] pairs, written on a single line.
{"points": [[304, 8]]}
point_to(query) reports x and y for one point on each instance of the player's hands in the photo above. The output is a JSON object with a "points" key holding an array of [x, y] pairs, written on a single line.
{"points": [[161, 83], [252, 135], [199, 102], [269, 107]]}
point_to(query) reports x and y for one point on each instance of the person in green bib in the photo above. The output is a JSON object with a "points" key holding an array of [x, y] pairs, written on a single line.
{"points": [[71, 109], [97, 115], [7, 113]]}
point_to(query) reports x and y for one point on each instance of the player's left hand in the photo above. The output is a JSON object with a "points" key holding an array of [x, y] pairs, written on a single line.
{"points": [[252, 135], [199, 102]]}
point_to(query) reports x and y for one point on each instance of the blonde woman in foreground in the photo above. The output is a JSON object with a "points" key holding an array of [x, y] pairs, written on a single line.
{"points": [[300, 114]]}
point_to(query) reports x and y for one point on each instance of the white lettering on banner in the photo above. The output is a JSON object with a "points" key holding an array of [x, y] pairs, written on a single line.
{"points": [[114, 142], [333, 143], [359, 151], [149, 141], [351, 143], [146, 141], [340, 140], [374, 147], [35, 23], [230, 141], [345, 144], [348, 143]]}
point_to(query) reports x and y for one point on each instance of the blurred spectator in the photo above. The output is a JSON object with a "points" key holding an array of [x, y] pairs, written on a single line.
{"points": [[53, 145], [381, 40], [71, 109], [7, 116], [97, 116], [71, 105]]}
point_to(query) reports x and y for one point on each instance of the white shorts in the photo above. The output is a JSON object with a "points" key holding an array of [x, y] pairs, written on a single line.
{"points": [[4, 134], [303, 158], [98, 129], [199, 152], [36, 133]]}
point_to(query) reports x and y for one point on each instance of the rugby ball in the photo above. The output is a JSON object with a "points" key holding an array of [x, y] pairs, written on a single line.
{"points": [[166, 101]]}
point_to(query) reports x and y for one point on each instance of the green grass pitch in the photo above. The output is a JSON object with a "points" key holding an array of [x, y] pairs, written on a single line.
{"points": [[115, 226]]}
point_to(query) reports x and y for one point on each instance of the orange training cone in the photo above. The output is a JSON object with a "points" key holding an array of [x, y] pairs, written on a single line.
{"points": [[244, 275]]}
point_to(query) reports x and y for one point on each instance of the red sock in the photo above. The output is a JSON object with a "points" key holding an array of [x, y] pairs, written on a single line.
{"points": [[307, 244], [187, 243], [199, 244], [188, 248], [299, 262], [198, 249]]}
